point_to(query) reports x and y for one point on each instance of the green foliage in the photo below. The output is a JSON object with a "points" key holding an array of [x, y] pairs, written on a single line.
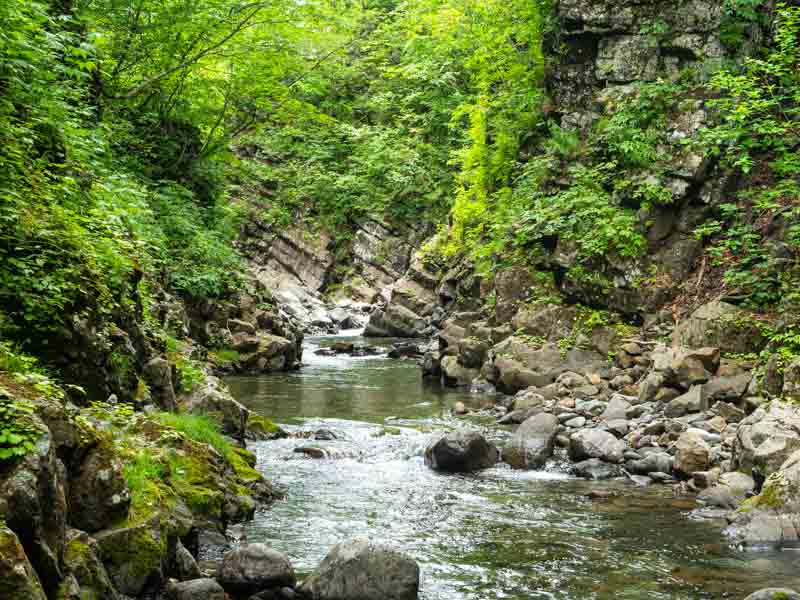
{"points": [[18, 433], [143, 474]]}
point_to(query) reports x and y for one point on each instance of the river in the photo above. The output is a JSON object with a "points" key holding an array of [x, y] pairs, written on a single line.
{"points": [[499, 534]]}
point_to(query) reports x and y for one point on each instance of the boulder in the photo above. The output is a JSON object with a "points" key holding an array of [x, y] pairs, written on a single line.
{"points": [[617, 408], [691, 402], [774, 594], [512, 286], [34, 506], [692, 453], [255, 567], [731, 329], [594, 443], [455, 374], [773, 517], [726, 389], [99, 495], [594, 468], [135, 556], [185, 566], [766, 438], [213, 399], [534, 440], [84, 569], [157, 373], [472, 352], [653, 462], [18, 580], [461, 452], [362, 570], [395, 321], [196, 589], [791, 380]]}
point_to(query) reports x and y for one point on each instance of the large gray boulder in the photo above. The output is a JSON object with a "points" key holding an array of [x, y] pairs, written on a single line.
{"points": [[723, 325], [253, 568], [395, 321], [594, 443], [362, 570], [158, 374], [533, 441], [766, 438], [461, 453], [773, 517]]}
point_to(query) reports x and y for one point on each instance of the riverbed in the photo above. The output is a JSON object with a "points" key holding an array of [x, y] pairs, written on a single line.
{"points": [[498, 534]]}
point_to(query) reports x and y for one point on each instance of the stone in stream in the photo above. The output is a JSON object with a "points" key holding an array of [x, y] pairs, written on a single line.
{"points": [[196, 589], [363, 570], [594, 468], [533, 442], [594, 443], [253, 568], [461, 453]]}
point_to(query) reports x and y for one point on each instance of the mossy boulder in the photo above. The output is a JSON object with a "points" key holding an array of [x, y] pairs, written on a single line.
{"points": [[135, 556], [84, 570], [213, 399], [723, 325], [99, 495], [18, 580], [262, 428], [773, 517]]}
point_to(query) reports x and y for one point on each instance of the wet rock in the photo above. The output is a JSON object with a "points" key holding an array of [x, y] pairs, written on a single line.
{"points": [[766, 438], [692, 453], [196, 589], [774, 594], [311, 451], [534, 440], [653, 462], [18, 580], [362, 570], [99, 495], [255, 567], [594, 468], [461, 452], [594, 443], [405, 351], [454, 373]]}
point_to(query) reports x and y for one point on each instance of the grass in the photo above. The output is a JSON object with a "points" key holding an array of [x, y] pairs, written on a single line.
{"points": [[225, 355], [198, 428], [144, 475]]}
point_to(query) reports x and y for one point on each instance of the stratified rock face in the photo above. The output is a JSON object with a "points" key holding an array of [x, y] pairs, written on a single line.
{"points": [[766, 439], [461, 453], [362, 570], [773, 517], [18, 580], [253, 568], [98, 494]]}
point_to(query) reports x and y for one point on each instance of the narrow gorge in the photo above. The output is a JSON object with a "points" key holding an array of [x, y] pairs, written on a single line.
{"points": [[436, 299]]}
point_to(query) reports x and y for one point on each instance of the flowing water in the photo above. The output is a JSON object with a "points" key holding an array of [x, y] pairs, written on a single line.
{"points": [[498, 534]]}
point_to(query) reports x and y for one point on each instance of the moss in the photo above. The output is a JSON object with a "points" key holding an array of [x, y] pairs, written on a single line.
{"points": [[225, 355], [193, 480], [240, 461], [136, 556], [262, 425]]}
